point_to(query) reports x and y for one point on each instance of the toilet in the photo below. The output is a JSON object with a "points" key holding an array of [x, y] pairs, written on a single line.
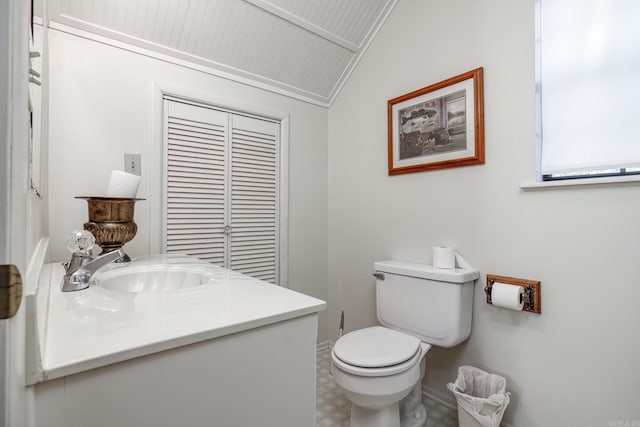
{"points": [[380, 368]]}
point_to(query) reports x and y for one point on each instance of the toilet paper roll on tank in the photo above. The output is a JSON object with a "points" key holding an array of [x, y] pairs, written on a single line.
{"points": [[448, 258], [444, 257]]}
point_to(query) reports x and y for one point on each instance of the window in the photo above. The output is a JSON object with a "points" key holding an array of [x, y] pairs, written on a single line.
{"points": [[221, 188], [588, 87]]}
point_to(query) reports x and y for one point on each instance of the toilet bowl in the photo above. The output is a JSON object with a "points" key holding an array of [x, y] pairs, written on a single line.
{"points": [[377, 368], [380, 368]]}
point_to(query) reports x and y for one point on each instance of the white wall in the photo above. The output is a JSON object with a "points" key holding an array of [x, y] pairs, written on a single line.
{"points": [[577, 362], [100, 108]]}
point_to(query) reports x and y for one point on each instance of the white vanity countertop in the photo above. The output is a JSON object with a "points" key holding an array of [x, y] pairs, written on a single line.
{"points": [[97, 326]]}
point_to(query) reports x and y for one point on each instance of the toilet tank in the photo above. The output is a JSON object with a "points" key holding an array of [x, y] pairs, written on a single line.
{"points": [[432, 304]]}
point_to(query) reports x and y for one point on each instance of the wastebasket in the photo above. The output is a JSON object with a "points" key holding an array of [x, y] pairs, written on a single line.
{"points": [[482, 397]]}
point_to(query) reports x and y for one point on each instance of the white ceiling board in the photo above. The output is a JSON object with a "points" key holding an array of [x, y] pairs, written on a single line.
{"points": [[306, 48]]}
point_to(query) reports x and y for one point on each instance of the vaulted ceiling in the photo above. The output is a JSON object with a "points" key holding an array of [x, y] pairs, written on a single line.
{"points": [[302, 48]]}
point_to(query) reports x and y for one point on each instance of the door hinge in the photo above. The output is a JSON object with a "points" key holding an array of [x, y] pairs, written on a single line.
{"points": [[10, 290]]}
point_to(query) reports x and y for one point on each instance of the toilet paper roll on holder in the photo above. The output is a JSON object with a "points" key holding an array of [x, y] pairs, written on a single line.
{"points": [[530, 294]]}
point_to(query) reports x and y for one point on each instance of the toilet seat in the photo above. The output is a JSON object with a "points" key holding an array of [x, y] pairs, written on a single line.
{"points": [[376, 351]]}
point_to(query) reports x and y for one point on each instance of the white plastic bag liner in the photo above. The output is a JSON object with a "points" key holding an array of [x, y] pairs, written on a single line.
{"points": [[482, 395]]}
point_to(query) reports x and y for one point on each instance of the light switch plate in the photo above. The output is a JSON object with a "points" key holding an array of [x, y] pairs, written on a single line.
{"points": [[132, 163]]}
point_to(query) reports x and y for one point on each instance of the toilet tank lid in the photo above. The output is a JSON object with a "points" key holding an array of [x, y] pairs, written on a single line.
{"points": [[427, 271]]}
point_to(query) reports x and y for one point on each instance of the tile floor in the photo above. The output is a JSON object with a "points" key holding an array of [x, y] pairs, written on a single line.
{"points": [[333, 407]]}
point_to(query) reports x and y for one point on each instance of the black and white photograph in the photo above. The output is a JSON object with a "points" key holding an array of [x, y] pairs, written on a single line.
{"points": [[433, 127]]}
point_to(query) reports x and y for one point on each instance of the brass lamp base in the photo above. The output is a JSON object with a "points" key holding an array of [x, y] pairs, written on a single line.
{"points": [[111, 222]]}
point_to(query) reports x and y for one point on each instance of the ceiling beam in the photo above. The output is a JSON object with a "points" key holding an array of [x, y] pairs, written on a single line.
{"points": [[304, 24]]}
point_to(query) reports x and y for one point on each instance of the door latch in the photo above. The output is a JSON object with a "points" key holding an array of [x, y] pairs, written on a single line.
{"points": [[10, 290]]}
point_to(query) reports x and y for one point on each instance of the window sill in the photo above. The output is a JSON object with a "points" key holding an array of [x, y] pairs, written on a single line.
{"points": [[542, 185]]}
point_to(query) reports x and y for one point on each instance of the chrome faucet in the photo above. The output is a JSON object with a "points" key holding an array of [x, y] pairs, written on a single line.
{"points": [[82, 267]]}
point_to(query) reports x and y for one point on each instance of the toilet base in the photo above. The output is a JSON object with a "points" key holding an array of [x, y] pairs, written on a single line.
{"points": [[417, 419], [413, 413], [388, 416]]}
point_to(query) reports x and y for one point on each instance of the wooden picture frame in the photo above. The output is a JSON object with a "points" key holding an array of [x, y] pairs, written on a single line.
{"points": [[438, 126]]}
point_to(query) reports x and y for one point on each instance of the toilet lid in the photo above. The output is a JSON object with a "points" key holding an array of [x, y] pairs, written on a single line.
{"points": [[376, 347]]}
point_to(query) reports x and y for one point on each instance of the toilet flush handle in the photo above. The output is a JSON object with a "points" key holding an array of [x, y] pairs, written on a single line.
{"points": [[378, 276]]}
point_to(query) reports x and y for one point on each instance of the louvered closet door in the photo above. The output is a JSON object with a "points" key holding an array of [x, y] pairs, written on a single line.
{"points": [[195, 182], [254, 197]]}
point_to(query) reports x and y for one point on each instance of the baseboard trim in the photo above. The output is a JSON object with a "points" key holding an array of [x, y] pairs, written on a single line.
{"points": [[441, 398], [323, 346]]}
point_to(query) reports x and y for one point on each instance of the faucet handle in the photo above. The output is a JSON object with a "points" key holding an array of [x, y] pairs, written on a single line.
{"points": [[80, 241]]}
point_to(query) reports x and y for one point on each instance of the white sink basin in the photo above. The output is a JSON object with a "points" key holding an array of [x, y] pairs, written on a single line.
{"points": [[152, 278]]}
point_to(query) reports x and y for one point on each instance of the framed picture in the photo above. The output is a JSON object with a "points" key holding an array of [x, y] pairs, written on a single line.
{"points": [[439, 126]]}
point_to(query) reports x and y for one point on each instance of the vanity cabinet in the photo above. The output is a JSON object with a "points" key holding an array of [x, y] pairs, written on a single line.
{"points": [[237, 352], [259, 377]]}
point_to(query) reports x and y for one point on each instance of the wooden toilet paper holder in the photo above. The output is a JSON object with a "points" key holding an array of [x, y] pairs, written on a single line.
{"points": [[531, 294]]}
